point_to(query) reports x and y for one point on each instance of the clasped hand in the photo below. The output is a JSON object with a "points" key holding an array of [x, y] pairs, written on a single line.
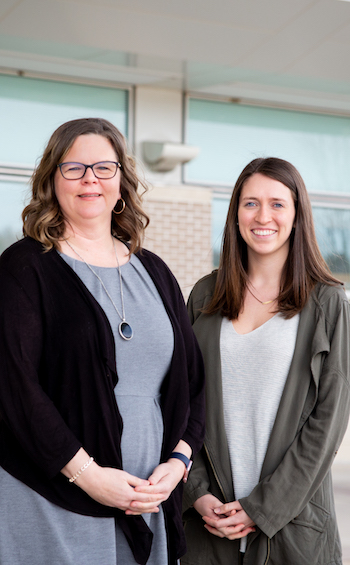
{"points": [[119, 489], [116, 488], [160, 485], [224, 520]]}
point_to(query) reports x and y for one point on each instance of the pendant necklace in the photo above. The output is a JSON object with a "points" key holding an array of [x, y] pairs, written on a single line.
{"points": [[256, 298], [125, 329]]}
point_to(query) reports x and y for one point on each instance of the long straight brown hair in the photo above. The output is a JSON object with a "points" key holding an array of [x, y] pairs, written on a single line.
{"points": [[304, 266]]}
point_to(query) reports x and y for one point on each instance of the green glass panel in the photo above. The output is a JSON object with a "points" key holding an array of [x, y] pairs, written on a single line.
{"points": [[333, 236], [13, 196], [231, 135], [31, 109], [219, 213]]}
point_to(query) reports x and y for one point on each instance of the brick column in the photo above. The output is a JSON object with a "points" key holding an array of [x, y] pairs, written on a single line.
{"points": [[180, 230]]}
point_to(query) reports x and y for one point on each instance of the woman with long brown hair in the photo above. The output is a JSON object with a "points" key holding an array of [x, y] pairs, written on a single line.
{"points": [[273, 326], [101, 380]]}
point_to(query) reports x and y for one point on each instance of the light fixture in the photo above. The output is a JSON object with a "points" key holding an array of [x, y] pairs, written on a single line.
{"points": [[163, 156]]}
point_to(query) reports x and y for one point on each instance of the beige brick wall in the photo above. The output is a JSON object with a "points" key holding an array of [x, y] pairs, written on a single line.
{"points": [[180, 230]]}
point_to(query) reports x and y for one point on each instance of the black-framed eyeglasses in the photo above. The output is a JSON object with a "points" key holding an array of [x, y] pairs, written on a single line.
{"points": [[101, 170]]}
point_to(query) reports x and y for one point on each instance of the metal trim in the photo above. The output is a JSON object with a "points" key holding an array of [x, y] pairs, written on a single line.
{"points": [[15, 172], [292, 106]]}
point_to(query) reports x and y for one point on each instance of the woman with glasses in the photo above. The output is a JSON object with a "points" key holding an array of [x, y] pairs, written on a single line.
{"points": [[273, 327], [101, 378]]}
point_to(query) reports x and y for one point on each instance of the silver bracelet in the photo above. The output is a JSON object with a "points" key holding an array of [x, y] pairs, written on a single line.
{"points": [[81, 470]]}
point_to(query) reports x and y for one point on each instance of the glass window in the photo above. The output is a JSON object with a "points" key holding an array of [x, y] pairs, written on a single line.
{"points": [[230, 135], [31, 109], [333, 236], [12, 196], [219, 213]]}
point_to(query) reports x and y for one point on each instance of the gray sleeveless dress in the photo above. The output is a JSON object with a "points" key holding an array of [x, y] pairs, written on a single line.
{"points": [[50, 534]]}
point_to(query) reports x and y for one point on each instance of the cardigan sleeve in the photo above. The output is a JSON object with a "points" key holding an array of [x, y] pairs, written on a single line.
{"points": [[28, 413], [201, 295], [194, 433], [309, 458], [198, 483], [184, 398]]}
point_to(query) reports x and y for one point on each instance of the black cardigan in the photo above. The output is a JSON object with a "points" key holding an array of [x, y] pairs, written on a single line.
{"points": [[57, 379]]}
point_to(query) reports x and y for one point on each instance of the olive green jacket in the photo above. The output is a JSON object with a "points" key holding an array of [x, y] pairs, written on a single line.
{"points": [[292, 505]]}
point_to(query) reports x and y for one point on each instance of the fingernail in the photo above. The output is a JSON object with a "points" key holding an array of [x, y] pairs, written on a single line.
{"points": [[217, 510]]}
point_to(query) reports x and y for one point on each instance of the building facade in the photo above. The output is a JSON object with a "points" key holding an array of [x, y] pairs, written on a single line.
{"points": [[188, 204], [236, 80]]}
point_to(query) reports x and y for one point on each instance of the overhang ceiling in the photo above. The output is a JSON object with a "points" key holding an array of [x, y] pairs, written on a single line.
{"points": [[277, 51]]}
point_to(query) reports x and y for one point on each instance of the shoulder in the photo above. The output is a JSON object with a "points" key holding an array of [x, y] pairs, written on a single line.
{"points": [[154, 264], [159, 271], [203, 289], [151, 260], [330, 298], [25, 260], [331, 304], [201, 296], [23, 252]]}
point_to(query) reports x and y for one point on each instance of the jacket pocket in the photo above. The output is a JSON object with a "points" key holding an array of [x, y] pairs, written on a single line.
{"points": [[303, 540]]}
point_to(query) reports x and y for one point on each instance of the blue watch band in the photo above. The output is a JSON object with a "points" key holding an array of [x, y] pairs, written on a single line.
{"points": [[181, 456], [187, 462]]}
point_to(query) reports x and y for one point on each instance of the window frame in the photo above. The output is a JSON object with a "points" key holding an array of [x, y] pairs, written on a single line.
{"points": [[330, 200], [21, 172]]}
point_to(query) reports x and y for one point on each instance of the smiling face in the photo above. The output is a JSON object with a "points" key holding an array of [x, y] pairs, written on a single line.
{"points": [[266, 214], [88, 199]]}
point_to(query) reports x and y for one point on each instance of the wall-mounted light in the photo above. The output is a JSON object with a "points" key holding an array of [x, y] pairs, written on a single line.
{"points": [[164, 156]]}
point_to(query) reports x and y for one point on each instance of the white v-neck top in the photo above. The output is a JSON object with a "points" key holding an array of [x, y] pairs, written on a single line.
{"points": [[254, 371]]}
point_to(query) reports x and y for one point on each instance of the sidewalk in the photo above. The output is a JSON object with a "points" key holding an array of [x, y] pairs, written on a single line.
{"points": [[341, 481]]}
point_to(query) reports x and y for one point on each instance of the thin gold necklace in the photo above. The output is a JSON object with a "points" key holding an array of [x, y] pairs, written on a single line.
{"points": [[258, 299]]}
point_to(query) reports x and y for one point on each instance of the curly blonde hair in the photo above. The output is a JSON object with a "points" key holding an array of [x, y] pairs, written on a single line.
{"points": [[43, 218]]}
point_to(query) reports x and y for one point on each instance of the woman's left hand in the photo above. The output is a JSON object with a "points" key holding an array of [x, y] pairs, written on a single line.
{"points": [[235, 525], [163, 480]]}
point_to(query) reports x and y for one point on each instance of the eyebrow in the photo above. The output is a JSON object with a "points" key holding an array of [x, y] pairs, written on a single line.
{"points": [[255, 198]]}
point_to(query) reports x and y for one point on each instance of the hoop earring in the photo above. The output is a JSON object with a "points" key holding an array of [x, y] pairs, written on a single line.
{"points": [[123, 207]]}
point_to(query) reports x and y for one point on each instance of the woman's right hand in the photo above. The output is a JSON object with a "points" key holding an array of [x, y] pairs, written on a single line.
{"points": [[112, 487], [220, 524], [231, 521], [205, 505]]}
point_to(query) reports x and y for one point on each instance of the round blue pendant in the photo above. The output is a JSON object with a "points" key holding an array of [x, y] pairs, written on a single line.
{"points": [[125, 330]]}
